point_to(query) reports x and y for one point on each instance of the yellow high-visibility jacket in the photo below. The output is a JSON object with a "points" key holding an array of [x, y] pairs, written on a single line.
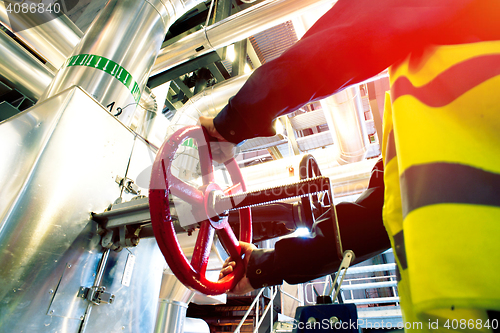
{"points": [[441, 151]]}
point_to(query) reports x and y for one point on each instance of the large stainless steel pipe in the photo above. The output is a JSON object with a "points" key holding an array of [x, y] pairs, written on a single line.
{"points": [[28, 75], [173, 303], [346, 125], [21, 69], [241, 25], [113, 60], [52, 36], [54, 41]]}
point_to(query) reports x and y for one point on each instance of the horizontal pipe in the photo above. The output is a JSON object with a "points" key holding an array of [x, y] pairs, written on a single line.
{"points": [[237, 27], [21, 69], [207, 103], [53, 36]]}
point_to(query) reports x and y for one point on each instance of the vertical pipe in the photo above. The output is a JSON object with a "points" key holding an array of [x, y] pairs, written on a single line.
{"points": [[273, 295], [113, 60], [53, 41], [171, 316], [343, 119], [361, 114]]}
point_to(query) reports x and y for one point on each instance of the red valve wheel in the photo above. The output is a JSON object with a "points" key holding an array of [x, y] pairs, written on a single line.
{"points": [[192, 274]]}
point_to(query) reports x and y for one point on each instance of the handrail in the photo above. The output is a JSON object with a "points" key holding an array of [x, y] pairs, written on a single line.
{"points": [[269, 306], [237, 330], [291, 296], [350, 286], [274, 293]]}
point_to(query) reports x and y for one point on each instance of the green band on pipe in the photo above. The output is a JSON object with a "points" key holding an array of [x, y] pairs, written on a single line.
{"points": [[189, 143], [108, 66]]}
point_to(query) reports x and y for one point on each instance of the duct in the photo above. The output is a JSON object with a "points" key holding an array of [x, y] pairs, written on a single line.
{"points": [[62, 163], [232, 29], [172, 305], [207, 103], [113, 60], [53, 36], [345, 123], [21, 69]]}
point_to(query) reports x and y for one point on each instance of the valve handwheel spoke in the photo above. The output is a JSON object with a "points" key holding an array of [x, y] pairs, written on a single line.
{"points": [[314, 205], [192, 274], [202, 248]]}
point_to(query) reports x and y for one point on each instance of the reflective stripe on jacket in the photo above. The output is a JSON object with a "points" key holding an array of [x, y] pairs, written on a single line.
{"points": [[441, 149]]}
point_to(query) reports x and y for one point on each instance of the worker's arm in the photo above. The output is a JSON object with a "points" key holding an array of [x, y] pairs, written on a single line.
{"points": [[301, 259], [354, 41]]}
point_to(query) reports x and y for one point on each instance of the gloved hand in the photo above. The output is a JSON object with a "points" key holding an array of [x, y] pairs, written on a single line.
{"points": [[222, 150], [243, 286]]}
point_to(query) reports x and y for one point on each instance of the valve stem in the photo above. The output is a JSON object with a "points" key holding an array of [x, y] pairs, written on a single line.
{"points": [[261, 197]]}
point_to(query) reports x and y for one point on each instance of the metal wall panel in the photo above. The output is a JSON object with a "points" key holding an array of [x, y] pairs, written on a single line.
{"points": [[135, 306], [59, 162]]}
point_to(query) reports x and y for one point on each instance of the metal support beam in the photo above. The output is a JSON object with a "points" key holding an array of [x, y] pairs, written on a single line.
{"points": [[240, 48], [254, 58], [187, 67], [218, 72], [275, 153], [175, 88], [223, 9], [202, 77], [185, 89], [290, 133], [169, 105]]}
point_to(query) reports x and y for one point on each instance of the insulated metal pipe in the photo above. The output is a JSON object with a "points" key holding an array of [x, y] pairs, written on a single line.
{"points": [[28, 75], [113, 60], [173, 303], [21, 69], [52, 35], [54, 41], [343, 119], [145, 114], [207, 103], [239, 26]]}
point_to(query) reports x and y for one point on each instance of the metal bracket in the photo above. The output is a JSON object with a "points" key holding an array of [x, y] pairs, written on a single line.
{"points": [[125, 239], [128, 185], [344, 265], [96, 295]]}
